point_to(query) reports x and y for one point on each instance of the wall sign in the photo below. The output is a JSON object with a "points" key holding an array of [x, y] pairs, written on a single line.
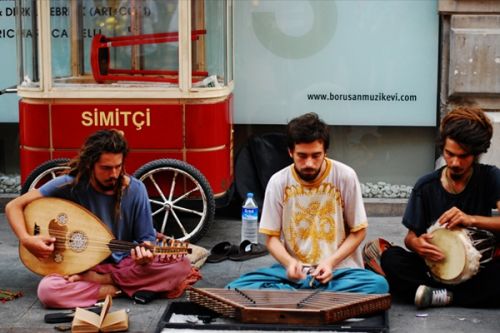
{"points": [[352, 62]]}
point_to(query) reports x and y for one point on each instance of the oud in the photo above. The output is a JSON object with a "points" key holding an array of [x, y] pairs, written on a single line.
{"points": [[82, 239]]}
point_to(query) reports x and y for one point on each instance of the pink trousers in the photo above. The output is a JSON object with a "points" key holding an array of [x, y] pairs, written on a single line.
{"points": [[172, 278]]}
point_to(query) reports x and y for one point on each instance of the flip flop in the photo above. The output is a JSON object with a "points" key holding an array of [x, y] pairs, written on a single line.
{"points": [[249, 250], [221, 252], [372, 252]]}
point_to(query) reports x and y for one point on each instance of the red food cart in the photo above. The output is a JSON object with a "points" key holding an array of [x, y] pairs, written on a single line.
{"points": [[161, 71]]}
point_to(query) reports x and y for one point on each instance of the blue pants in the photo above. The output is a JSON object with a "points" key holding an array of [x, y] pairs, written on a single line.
{"points": [[355, 280]]}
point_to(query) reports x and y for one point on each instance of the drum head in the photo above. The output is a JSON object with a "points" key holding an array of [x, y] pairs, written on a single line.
{"points": [[451, 244]]}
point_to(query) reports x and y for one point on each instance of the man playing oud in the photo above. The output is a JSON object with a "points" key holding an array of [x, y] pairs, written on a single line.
{"points": [[97, 181]]}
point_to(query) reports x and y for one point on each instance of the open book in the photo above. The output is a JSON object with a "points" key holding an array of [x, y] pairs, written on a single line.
{"points": [[87, 321]]}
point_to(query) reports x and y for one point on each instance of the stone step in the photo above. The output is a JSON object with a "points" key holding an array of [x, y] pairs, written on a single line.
{"points": [[374, 207], [4, 198], [385, 207]]}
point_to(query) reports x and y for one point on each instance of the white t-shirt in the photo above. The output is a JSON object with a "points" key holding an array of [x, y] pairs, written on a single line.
{"points": [[314, 219]]}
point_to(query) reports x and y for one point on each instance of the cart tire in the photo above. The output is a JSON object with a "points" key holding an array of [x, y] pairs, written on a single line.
{"points": [[182, 201], [44, 172]]}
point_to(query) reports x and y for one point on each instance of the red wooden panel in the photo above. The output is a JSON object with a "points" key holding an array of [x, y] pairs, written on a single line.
{"points": [[145, 126], [148, 129], [137, 159], [29, 160], [34, 125], [215, 166], [207, 125], [65, 153]]}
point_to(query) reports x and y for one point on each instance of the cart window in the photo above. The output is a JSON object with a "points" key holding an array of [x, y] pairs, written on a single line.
{"points": [[29, 75], [110, 42], [211, 43]]}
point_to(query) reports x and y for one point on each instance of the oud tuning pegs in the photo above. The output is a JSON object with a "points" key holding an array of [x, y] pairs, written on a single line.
{"points": [[171, 249]]}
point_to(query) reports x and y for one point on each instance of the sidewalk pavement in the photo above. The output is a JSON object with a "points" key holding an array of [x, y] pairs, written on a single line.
{"points": [[25, 314]]}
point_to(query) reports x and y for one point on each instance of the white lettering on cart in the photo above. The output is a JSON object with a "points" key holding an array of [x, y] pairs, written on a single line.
{"points": [[99, 118]]}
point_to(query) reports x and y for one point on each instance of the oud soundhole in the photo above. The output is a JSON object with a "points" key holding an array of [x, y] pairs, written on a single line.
{"points": [[58, 257], [78, 241], [62, 218]]}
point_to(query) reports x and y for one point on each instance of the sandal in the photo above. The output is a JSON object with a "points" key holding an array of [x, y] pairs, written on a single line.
{"points": [[249, 250], [221, 252], [372, 252]]}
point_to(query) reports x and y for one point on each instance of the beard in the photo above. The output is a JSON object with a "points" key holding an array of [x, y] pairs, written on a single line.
{"points": [[457, 173], [308, 174], [108, 186]]}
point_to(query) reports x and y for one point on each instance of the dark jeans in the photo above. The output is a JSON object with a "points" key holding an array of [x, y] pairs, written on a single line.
{"points": [[405, 271]]}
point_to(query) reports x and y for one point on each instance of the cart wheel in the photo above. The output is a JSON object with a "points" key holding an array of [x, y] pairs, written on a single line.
{"points": [[181, 198], [44, 172]]}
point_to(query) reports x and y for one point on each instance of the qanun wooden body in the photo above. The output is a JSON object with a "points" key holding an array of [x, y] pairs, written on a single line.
{"points": [[308, 307], [82, 240]]}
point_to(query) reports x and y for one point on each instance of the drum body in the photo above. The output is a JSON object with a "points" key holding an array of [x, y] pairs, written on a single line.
{"points": [[465, 249]]}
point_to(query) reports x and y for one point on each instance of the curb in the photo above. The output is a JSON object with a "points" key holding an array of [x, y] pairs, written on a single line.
{"points": [[385, 207], [374, 207]]}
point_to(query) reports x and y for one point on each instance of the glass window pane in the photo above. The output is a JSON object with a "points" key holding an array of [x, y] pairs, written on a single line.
{"points": [[29, 75], [230, 70], [60, 38], [209, 51], [115, 42]]}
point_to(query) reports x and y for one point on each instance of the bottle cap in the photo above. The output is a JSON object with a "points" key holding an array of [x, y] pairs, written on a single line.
{"points": [[250, 195]]}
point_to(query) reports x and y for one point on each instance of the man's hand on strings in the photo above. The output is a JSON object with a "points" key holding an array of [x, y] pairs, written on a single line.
{"points": [[323, 273], [40, 246], [141, 255], [295, 271]]}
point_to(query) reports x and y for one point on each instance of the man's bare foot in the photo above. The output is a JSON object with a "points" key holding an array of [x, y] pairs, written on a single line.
{"points": [[91, 276], [108, 289]]}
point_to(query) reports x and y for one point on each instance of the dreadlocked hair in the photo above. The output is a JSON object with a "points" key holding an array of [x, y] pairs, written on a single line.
{"points": [[100, 142], [470, 127]]}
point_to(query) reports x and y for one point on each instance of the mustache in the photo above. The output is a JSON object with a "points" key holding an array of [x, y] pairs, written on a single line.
{"points": [[456, 173]]}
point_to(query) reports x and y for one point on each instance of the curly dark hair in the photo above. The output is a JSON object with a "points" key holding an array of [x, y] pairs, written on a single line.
{"points": [[98, 143], [470, 127], [306, 129]]}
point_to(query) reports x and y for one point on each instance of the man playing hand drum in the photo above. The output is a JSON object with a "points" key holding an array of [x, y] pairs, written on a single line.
{"points": [[459, 196]]}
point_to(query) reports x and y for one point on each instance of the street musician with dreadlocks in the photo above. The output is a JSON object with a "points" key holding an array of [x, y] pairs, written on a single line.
{"points": [[459, 197], [97, 181]]}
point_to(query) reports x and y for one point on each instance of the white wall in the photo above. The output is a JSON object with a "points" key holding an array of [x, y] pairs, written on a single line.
{"points": [[492, 156]]}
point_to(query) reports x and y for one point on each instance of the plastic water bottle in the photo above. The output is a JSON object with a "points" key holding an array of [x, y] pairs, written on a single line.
{"points": [[249, 220]]}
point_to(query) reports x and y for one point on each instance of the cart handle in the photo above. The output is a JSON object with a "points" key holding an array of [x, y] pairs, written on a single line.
{"points": [[9, 90]]}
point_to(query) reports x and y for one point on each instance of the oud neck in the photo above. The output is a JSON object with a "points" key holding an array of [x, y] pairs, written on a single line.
{"points": [[162, 248]]}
